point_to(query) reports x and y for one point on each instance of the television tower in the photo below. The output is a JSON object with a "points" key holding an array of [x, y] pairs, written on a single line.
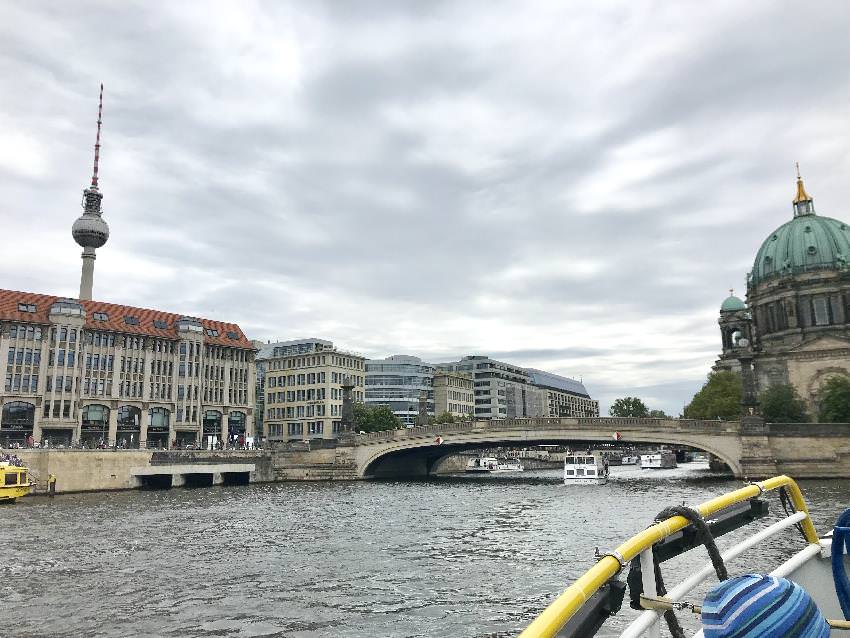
{"points": [[90, 230]]}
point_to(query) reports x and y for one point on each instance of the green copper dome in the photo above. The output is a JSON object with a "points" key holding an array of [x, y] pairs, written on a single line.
{"points": [[732, 304], [807, 243]]}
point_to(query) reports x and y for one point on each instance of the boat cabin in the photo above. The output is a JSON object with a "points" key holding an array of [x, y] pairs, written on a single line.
{"points": [[584, 465]]}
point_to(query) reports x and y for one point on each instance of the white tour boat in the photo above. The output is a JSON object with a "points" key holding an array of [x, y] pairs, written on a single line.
{"points": [[492, 465], [585, 469], [815, 574], [658, 460]]}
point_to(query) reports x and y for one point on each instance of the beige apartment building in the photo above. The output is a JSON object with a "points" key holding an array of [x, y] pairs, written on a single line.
{"points": [[453, 393], [303, 383], [80, 372]]}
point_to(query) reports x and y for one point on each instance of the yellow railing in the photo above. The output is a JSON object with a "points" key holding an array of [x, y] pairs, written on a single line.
{"points": [[556, 615]]}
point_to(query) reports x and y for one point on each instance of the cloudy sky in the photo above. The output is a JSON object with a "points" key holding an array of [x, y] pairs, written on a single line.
{"points": [[569, 186]]}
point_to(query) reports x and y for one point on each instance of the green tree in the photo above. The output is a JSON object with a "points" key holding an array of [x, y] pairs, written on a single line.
{"points": [[658, 414], [782, 404], [629, 406], [719, 397], [375, 418], [384, 419], [362, 418], [835, 400], [445, 417]]}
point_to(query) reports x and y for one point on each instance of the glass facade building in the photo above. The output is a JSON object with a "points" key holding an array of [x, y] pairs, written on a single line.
{"points": [[398, 382]]}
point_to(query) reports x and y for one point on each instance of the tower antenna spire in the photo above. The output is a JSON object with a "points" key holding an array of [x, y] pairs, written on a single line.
{"points": [[97, 140]]}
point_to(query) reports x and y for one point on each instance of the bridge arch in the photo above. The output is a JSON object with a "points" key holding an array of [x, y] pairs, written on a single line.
{"points": [[413, 452]]}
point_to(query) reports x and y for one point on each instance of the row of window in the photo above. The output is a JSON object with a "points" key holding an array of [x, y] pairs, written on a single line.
{"points": [[312, 394], [301, 411], [311, 378], [24, 356], [25, 332], [22, 383], [62, 383], [297, 428]]}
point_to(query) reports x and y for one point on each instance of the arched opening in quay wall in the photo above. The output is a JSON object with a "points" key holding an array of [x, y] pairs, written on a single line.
{"points": [[235, 478], [200, 479], [155, 481]]}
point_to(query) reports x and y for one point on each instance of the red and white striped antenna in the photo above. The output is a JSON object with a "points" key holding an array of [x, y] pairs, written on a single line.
{"points": [[97, 141]]}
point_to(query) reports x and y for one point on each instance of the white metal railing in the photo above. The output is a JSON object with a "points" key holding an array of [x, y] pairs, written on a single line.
{"points": [[649, 619]]}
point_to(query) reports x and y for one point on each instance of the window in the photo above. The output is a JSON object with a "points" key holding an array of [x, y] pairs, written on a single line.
{"points": [[212, 332], [159, 323], [131, 321], [232, 335], [26, 307], [100, 316], [821, 313]]}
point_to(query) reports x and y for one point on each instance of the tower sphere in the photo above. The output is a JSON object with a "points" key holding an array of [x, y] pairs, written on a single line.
{"points": [[90, 231]]}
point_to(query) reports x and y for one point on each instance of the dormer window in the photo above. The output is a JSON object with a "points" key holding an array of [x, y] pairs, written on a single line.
{"points": [[100, 316], [212, 332], [131, 321], [160, 324], [26, 307], [232, 335]]}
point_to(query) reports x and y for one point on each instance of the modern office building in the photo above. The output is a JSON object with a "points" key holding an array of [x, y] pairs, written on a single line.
{"points": [[502, 390], [508, 391], [453, 393], [303, 381], [398, 382], [564, 397], [91, 373]]}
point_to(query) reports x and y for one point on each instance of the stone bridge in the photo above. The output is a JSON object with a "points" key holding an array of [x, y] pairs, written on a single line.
{"points": [[750, 447]]}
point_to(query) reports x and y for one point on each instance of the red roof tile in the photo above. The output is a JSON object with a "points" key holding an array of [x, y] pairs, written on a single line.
{"points": [[9, 300]]}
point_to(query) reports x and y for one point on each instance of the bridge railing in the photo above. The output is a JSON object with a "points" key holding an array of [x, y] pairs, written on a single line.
{"points": [[614, 423]]}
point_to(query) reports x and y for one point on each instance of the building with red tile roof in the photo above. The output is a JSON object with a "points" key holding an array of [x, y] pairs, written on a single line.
{"points": [[96, 373]]}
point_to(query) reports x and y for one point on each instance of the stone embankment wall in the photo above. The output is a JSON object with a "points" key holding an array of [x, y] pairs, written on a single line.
{"points": [[102, 470]]}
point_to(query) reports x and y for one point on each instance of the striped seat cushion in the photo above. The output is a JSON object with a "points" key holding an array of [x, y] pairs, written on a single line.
{"points": [[757, 606]]}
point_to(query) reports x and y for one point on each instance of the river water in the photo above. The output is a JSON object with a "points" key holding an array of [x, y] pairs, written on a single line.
{"points": [[467, 556]]}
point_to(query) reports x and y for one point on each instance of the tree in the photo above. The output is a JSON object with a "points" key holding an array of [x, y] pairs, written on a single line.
{"points": [[782, 404], [835, 400], [629, 406], [375, 418], [720, 397], [658, 414], [362, 418], [384, 419], [445, 417]]}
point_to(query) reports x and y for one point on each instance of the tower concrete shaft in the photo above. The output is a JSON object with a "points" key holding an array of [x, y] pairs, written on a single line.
{"points": [[87, 278]]}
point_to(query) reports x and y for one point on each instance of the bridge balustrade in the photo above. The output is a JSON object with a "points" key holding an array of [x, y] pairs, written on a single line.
{"points": [[614, 423]]}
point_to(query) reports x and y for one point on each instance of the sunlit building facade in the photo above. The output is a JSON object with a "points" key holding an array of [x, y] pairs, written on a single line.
{"points": [[303, 383], [90, 373]]}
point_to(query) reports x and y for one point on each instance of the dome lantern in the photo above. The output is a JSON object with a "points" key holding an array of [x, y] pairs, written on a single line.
{"points": [[803, 203]]}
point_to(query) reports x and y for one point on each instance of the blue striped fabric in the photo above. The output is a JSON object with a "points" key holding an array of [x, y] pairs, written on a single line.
{"points": [[756, 606]]}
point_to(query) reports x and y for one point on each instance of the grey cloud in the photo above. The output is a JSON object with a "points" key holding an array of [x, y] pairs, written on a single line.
{"points": [[341, 187]]}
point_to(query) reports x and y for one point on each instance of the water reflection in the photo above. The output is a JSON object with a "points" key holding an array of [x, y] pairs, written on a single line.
{"points": [[455, 556]]}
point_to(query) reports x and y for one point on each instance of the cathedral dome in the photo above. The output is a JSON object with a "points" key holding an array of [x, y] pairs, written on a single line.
{"points": [[732, 304], [806, 243]]}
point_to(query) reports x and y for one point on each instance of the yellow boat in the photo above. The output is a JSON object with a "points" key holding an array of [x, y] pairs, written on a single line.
{"points": [[14, 482]]}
